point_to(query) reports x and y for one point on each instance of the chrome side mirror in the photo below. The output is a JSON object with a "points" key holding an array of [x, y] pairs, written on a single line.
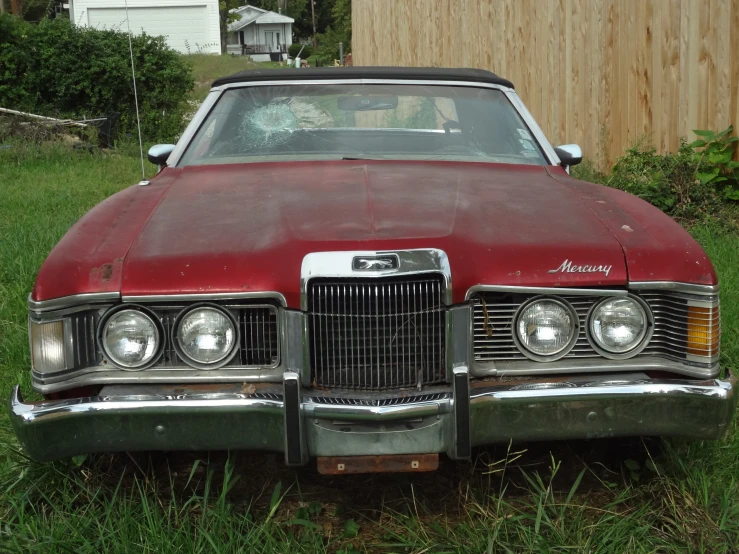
{"points": [[159, 154], [569, 155]]}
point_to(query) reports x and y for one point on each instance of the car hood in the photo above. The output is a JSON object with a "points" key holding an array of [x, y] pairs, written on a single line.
{"points": [[237, 228]]}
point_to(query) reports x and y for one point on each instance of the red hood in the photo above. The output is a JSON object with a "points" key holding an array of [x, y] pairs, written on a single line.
{"points": [[248, 227], [243, 228]]}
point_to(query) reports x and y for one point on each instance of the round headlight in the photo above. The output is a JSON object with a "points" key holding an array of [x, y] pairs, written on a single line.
{"points": [[546, 328], [206, 335], [618, 325], [130, 339]]}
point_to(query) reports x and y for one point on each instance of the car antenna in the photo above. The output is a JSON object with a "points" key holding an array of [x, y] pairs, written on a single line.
{"points": [[144, 181]]}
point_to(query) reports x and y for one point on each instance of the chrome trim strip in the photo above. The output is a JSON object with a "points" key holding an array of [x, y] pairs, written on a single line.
{"points": [[187, 375], [533, 125], [614, 387], [591, 365], [545, 290], [340, 264], [294, 333], [690, 288], [205, 297], [193, 127], [41, 306]]}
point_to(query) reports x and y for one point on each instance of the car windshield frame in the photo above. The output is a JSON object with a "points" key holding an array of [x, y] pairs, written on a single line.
{"points": [[514, 105]]}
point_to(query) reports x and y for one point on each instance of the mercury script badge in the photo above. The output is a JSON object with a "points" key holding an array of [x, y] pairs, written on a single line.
{"points": [[372, 263], [568, 267]]}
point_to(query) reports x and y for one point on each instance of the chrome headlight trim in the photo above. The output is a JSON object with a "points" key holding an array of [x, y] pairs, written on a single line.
{"points": [[160, 336], [562, 352], [194, 363], [640, 346]]}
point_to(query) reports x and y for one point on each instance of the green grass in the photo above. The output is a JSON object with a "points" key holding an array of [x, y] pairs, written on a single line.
{"points": [[207, 68], [577, 496]]}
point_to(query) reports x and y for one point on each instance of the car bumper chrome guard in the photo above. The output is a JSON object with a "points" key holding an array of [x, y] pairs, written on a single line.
{"points": [[585, 407]]}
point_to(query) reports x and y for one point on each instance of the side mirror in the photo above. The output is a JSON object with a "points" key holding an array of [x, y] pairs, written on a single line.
{"points": [[159, 153], [569, 155]]}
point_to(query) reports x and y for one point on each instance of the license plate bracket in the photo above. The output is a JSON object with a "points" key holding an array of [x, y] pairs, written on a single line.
{"points": [[396, 463]]}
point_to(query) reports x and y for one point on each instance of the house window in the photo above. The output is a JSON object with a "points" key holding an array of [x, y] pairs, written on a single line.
{"points": [[241, 37]]}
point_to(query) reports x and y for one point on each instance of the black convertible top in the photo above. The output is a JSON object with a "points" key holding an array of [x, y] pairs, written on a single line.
{"points": [[374, 72]]}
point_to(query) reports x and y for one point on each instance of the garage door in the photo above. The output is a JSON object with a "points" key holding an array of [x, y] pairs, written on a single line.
{"points": [[181, 26]]}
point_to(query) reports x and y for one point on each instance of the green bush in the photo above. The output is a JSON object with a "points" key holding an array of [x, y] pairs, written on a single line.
{"points": [[60, 70], [293, 50], [698, 182]]}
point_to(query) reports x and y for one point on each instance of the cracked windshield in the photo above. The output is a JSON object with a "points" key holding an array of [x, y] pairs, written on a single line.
{"points": [[334, 122]]}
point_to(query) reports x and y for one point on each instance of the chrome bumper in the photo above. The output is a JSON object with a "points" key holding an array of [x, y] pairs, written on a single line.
{"points": [[290, 421]]}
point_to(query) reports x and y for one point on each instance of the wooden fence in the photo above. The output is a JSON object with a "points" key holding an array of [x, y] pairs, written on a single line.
{"points": [[599, 73]]}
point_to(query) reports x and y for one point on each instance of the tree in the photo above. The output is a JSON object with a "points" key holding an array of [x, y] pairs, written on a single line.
{"points": [[226, 17], [340, 31]]}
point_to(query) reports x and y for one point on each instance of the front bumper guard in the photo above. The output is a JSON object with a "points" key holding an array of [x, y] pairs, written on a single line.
{"points": [[472, 414]]}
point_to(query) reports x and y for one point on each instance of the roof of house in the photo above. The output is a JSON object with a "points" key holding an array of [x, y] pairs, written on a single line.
{"points": [[358, 72], [258, 16]]}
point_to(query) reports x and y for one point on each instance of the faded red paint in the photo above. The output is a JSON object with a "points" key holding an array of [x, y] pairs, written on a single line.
{"points": [[656, 247], [90, 257], [247, 227]]}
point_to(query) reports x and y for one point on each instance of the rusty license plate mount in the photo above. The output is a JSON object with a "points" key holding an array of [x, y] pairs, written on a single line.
{"points": [[397, 463]]}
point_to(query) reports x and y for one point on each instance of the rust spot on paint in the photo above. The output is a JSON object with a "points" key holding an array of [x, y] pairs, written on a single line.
{"points": [[106, 272]]}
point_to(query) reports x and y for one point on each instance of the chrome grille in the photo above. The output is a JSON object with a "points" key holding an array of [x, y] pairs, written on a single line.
{"points": [[493, 314], [397, 401], [493, 319], [83, 325], [377, 333]]}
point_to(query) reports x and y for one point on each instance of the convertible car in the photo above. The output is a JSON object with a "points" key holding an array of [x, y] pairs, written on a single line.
{"points": [[369, 267]]}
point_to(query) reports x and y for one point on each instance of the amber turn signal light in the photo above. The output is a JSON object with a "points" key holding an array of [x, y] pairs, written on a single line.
{"points": [[704, 325]]}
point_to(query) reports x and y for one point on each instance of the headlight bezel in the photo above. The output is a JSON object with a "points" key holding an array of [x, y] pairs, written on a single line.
{"points": [[147, 313], [646, 335], [563, 351], [175, 342]]}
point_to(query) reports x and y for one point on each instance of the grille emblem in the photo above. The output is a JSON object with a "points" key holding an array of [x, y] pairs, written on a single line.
{"points": [[374, 263]]}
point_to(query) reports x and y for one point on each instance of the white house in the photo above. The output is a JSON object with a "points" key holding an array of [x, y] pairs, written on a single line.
{"points": [[259, 33], [189, 26]]}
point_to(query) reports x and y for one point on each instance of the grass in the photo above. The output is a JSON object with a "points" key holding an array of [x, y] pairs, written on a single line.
{"points": [[207, 68], [579, 496]]}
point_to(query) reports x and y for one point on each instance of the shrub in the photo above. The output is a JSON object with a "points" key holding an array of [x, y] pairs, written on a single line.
{"points": [[293, 50], [60, 70], [698, 182]]}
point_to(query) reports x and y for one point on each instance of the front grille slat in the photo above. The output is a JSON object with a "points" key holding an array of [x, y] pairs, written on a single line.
{"points": [[385, 332]]}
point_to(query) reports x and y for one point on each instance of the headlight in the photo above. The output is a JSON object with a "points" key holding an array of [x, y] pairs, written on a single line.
{"points": [[131, 339], [206, 335], [618, 325], [546, 329]]}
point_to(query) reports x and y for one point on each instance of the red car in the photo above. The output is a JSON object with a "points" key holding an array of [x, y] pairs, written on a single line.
{"points": [[369, 266]]}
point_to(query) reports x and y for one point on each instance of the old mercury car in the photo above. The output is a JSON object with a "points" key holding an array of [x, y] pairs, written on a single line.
{"points": [[369, 267]]}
